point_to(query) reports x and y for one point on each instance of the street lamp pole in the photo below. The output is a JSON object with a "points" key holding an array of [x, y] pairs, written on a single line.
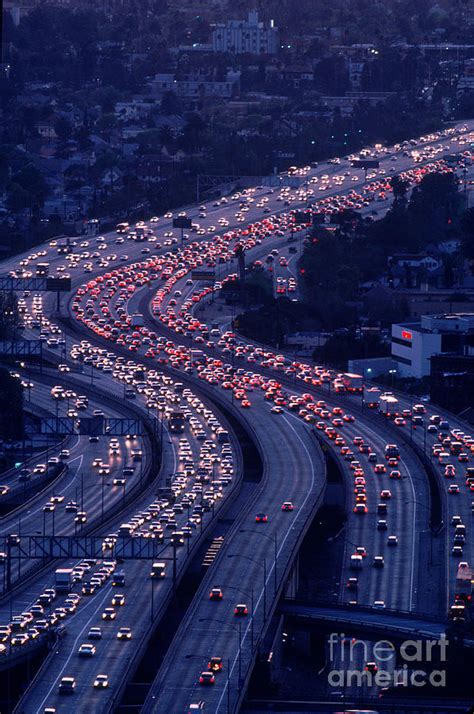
{"points": [[264, 589]]}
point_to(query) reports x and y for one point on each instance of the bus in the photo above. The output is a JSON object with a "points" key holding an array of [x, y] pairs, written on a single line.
{"points": [[176, 422]]}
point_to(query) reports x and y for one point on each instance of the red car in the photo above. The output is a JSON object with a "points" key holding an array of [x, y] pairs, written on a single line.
{"points": [[261, 518]]}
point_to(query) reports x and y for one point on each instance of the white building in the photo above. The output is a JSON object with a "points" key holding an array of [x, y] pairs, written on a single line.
{"points": [[251, 36], [414, 343], [466, 80], [194, 88]]}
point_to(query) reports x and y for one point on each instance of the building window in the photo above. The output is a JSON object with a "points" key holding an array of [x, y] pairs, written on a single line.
{"points": [[399, 341], [402, 360]]}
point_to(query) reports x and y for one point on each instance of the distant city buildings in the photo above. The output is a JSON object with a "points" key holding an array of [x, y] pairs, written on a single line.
{"points": [[246, 36]]}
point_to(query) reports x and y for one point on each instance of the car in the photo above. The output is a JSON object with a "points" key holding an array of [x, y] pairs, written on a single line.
{"points": [[380, 468], [101, 681], [109, 614], [86, 650], [95, 633], [216, 594], [380, 604], [457, 550], [207, 678], [382, 525], [287, 506], [215, 664], [453, 488], [395, 473], [385, 494], [261, 518], [241, 610], [360, 508], [378, 561], [124, 633], [67, 685], [392, 540], [118, 599]]}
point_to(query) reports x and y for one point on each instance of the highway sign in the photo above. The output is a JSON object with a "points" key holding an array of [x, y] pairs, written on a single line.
{"points": [[182, 222], [302, 217], [34, 284], [62, 285], [203, 275], [43, 546], [21, 348], [365, 164]]}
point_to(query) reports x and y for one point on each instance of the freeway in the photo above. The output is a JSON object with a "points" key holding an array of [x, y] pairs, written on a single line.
{"points": [[289, 448]]}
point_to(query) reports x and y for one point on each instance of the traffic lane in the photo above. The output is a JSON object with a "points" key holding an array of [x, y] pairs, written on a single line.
{"points": [[136, 614], [323, 167], [362, 530], [228, 206], [291, 476]]}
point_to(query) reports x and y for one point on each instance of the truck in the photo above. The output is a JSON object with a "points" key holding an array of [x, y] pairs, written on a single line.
{"points": [[388, 405], [63, 580], [464, 582], [176, 421], [392, 451], [197, 357], [158, 570], [42, 270], [352, 382], [137, 320], [372, 397], [118, 579]]}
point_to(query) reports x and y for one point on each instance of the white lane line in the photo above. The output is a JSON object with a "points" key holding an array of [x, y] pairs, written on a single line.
{"points": [[79, 636], [412, 573], [30, 514], [309, 493]]}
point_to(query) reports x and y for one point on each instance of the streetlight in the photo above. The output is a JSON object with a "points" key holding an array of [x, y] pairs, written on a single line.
{"points": [[239, 630], [427, 508], [274, 538], [231, 587], [240, 555]]}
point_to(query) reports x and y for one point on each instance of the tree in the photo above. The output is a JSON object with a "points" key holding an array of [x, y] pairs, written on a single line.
{"points": [[63, 129], [11, 406], [170, 103], [400, 188], [9, 316], [17, 198], [467, 227], [32, 181], [166, 134]]}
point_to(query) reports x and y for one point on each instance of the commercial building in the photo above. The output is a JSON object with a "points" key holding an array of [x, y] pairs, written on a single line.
{"points": [[414, 344], [246, 36]]}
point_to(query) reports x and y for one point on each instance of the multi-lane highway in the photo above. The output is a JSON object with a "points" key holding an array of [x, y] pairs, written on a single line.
{"points": [[133, 332]]}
